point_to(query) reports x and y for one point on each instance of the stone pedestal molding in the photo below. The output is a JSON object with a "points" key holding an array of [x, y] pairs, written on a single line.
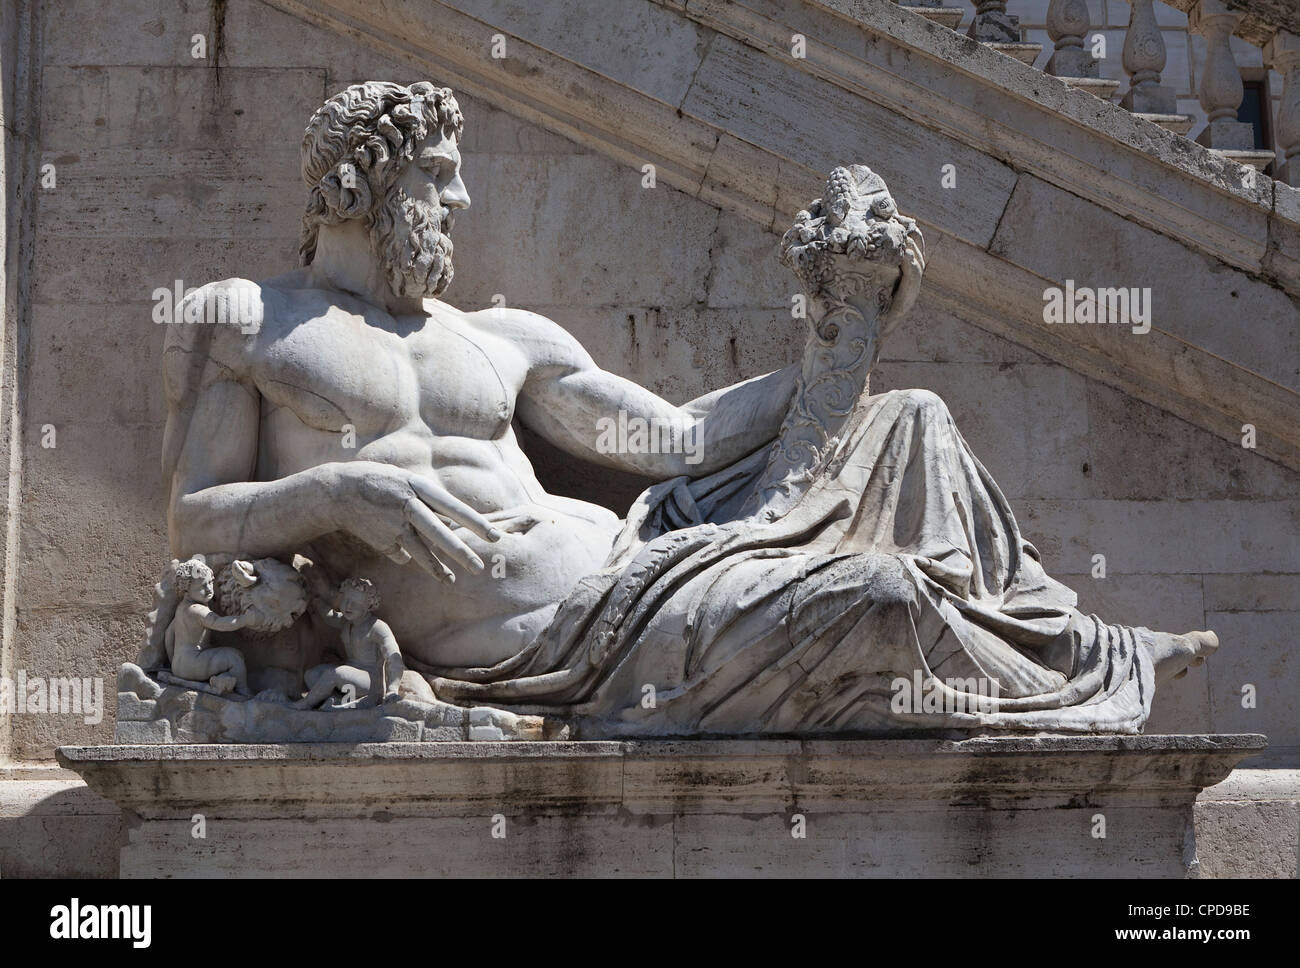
{"points": [[936, 10], [1006, 805]]}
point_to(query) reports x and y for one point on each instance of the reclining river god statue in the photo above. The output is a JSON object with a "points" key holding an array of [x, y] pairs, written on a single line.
{"points": [[812, 556]]}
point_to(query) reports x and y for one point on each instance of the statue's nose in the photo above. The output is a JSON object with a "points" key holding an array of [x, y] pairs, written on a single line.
{"points": [[455, 195]]}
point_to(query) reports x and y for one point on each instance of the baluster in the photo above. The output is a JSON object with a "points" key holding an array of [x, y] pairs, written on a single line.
{"points": [[996, 28], [1221, 89], [935, 10], [1144, 60], [1282, 54], [1067, 24]]}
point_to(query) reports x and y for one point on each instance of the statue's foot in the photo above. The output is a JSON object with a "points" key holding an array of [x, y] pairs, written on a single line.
{"points": [[1175, 654], [223, 684]]}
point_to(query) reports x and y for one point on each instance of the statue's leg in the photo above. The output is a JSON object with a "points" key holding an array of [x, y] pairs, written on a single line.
{"points": [[326, 682], [225, 660], [926, 495]]}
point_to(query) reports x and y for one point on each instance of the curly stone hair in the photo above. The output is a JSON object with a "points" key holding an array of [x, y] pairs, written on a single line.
{"points": [[188, 572], [367, 589], [359, 143]]}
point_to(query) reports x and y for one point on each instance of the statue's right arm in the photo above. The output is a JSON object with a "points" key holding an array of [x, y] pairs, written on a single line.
{"points": [[216, 505], [222, 623]]}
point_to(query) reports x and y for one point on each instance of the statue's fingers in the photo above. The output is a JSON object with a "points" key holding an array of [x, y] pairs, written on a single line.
{"points": [[917, 252], [416, 550], [439, 536], [454, 508], [513, 521], [682, 509]]}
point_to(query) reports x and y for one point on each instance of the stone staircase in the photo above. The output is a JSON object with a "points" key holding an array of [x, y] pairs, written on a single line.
{"points": [[1272, 26]]}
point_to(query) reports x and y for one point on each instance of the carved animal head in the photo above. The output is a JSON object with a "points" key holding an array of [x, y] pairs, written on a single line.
{"points": [[271, 591]]}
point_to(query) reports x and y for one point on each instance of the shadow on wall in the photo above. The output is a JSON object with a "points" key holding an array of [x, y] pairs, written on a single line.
{"points": [[70, 833]]}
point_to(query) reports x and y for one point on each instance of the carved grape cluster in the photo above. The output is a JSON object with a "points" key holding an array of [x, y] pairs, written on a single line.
{"points": [[856, 218]]}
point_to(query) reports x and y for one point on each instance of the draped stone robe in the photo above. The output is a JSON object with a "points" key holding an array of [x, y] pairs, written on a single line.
{"points": [[900, 560]]}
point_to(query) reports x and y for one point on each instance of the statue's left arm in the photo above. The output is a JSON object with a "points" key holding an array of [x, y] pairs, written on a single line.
{"points": [[577, 406]]}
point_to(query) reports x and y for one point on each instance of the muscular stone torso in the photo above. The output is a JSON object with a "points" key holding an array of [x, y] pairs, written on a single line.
{"points": [[428, 395]]}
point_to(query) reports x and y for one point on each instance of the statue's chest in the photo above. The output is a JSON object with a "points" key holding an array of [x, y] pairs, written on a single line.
{"points": [[332, 372], [467, 385]]}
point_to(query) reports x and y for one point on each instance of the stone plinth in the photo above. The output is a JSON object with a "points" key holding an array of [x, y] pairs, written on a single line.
{"points": [[989, 806]]}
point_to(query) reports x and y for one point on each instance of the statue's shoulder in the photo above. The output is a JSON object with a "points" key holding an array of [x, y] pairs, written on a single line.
{"points": [[216, 318], [226, 321], [543, 341], [213, 333]]}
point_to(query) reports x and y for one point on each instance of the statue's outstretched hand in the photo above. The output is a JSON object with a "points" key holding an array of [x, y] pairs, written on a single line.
{"points": [[908, 286], [396, 512]]}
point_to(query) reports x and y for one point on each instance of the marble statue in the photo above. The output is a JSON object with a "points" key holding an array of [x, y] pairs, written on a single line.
{"points": [[815, 546], [190, 629], [373, 667]]}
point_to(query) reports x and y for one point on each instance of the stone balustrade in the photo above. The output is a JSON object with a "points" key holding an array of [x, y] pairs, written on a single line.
{"points": [[1282, 54], [1073, 59], [1068, 23]]}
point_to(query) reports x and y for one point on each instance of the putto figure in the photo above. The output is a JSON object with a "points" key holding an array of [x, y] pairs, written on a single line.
{"points": [[373, 670], [821, 543], [192, 626]]}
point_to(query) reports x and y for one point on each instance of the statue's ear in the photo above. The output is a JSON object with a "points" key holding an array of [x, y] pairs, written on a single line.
{"points": [[345, 191]]}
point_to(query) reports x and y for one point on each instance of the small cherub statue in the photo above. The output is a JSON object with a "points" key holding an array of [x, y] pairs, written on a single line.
{"points": [[191, 627], [374, 664]]}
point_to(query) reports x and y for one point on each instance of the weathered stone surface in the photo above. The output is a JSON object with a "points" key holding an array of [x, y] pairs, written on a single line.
{"points": [[993, 805], [751, 96], [257, 37], [1150, 537], [145, 733], [1249, 825], [1185, 300], [1254, 685], [131, 707], [167, 105], [51, 825]]}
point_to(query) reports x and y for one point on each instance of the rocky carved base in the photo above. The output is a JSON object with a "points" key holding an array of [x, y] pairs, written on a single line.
{"points": [[152, 711]]}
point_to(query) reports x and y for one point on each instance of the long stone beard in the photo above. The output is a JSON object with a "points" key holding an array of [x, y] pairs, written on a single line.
{"points": [[412, 247]]}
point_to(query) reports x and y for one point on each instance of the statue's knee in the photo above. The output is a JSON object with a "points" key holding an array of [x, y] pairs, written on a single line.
{"points": [[885, 580], [852, 585], [924, 402]]}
